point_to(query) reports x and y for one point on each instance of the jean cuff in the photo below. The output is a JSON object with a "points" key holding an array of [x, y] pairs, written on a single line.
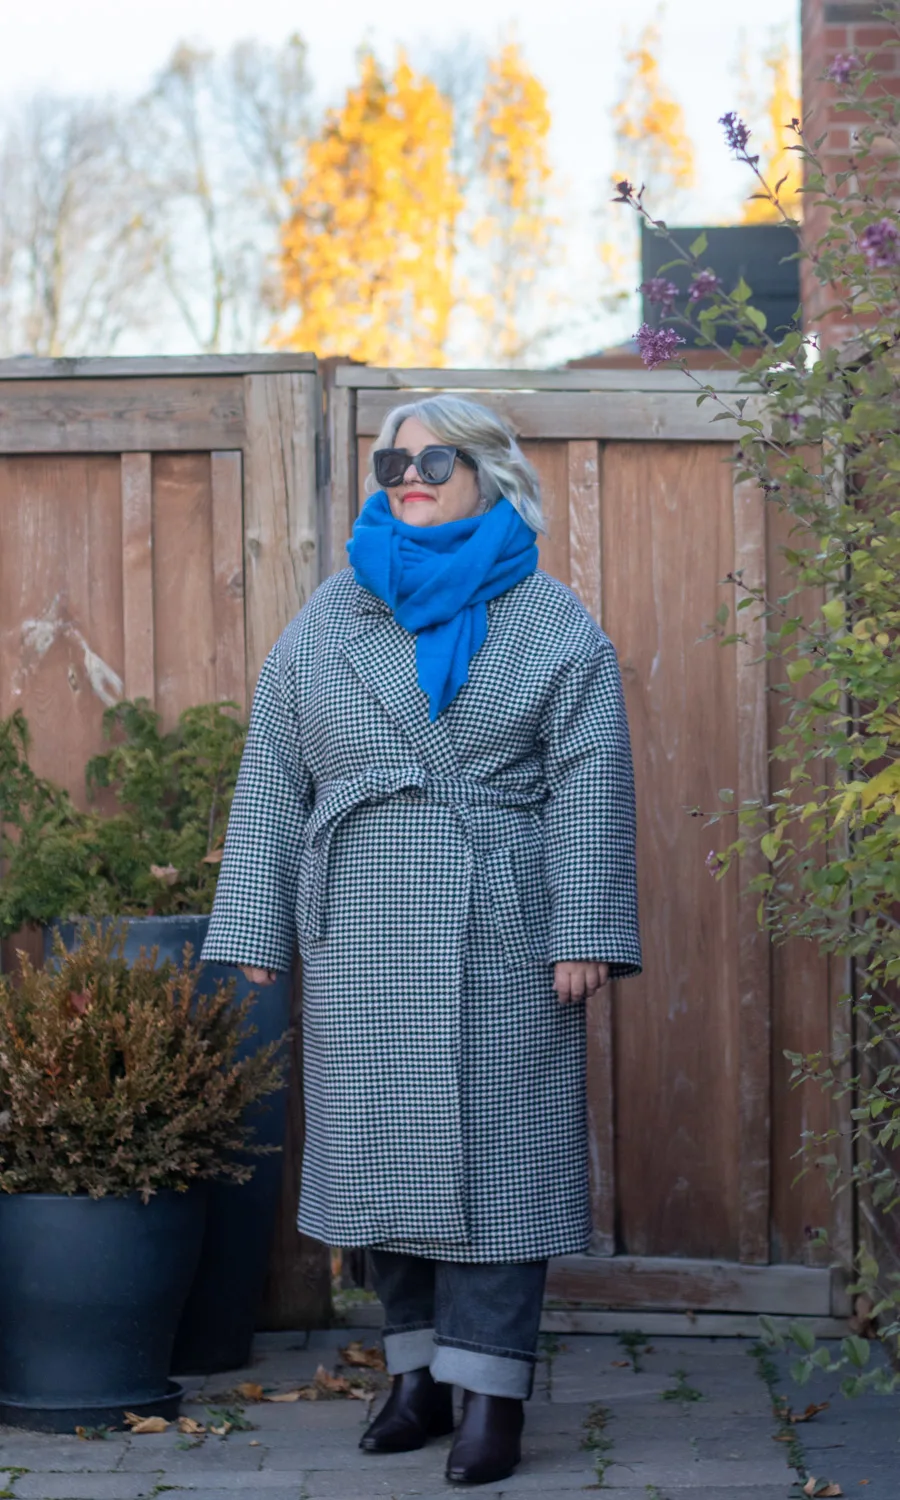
{"points": [[487, 1374], [411, 1350]]}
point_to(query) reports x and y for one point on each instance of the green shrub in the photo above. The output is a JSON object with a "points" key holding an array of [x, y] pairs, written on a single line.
{"points": [[118, 1079], [155, 852]]}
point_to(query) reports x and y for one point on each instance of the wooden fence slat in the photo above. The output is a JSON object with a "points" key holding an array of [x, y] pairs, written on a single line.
{"points": [[228, 576], [585, 567], [138, 366], [280, 503], [137, 576], [342, 442], [114, 416], [753, 956], [663, 1281], [642, 415], [356, 377]]}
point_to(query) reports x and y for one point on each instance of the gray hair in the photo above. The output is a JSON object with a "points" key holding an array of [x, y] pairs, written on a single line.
{"points": [[503, 468]]}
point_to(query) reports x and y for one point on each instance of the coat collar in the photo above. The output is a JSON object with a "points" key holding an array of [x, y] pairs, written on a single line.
{"points": [[383, 655]]}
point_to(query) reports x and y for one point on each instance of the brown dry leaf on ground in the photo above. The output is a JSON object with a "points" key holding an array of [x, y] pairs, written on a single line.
{"points": [[248, 1390], [145, 1424], [295, 1395], [190, 1427], [357, 1354], [821, 1489], [811, 1411], [223, 1429], [621, 1364]]}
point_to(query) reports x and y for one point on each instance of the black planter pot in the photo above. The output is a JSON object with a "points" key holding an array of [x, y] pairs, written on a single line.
{"points": [[216, 1328], [90, 1295]]}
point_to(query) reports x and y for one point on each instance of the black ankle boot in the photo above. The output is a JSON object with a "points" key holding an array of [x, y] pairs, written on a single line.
{"points": [[417, 1409], [489, 1442]]}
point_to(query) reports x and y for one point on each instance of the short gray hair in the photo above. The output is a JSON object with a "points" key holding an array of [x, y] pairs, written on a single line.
{"points": [[503, 468]]}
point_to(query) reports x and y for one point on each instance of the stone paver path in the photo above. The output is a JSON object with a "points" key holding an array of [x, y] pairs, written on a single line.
{"points": [[693, 1420]]}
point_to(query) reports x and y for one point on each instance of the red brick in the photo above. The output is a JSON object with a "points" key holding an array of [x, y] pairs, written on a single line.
{"points": [[871, 36], [837, 37]]}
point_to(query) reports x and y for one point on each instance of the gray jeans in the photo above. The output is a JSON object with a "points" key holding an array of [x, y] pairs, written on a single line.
{"points": [[474, 1325]]}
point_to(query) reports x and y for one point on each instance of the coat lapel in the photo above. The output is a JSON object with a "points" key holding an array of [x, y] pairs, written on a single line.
{"points": [[383, 655]]}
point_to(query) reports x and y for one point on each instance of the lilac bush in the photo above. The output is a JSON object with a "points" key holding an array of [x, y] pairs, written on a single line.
{"points": [[820, 436]]}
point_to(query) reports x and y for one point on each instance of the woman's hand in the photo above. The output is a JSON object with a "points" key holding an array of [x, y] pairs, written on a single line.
{"points": [[578, 980], [259, 976]]}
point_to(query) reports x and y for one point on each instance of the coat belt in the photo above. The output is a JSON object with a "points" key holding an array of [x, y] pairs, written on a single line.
{"points": [[336, 800]]}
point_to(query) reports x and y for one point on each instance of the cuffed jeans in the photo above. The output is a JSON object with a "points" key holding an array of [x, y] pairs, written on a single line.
{"points": [[473, 1325]]}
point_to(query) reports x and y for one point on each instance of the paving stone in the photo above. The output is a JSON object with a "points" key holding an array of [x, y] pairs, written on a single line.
{"points": [[84, 1486], [293, 1492], [699, 1475], [21, 1450], [156, 1452]]}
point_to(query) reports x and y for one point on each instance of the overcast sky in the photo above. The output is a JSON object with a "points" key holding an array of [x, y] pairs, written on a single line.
{"points": [[116, 45]]}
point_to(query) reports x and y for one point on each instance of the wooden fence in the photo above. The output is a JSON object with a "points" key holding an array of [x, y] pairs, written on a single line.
{"points": [[162, 520]]}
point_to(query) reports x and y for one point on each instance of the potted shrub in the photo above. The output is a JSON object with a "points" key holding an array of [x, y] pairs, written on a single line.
{"points": [[121, 1097], [146, 853]]}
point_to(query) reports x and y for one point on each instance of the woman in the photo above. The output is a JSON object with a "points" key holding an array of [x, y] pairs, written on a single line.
{"points": [[436, 798]]}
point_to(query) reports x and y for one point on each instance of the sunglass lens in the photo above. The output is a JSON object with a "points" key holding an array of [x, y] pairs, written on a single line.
{"points": [[435, 465], [390, 466]]}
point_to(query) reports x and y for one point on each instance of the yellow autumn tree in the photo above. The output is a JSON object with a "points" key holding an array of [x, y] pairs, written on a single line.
{"points": [[367, 250], [653, 147], [777, 162], [514, 227]]}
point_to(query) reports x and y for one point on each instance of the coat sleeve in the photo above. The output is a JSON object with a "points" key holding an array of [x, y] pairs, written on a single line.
{"points": [[589, 819], [253, 920]]}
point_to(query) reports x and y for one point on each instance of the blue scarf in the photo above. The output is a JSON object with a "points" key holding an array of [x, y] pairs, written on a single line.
{"points": [[438, 579]]}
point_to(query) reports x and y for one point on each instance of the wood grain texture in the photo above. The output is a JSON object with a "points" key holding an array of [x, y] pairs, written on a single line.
{"points": [[344, 474], [185, 635], [281, 558], [362, 377], [754, 977], [131, 367], [62, 657], [298, 1286], [551, 462], [801, 1019], [667, 519], [137, 576], [645, 415], [226, 484], [585, 572], [670, 1282], [121, 416]]}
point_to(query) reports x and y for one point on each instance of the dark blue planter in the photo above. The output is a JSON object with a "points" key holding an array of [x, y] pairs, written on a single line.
{"points": [[216, 1328], [90, 1295]]}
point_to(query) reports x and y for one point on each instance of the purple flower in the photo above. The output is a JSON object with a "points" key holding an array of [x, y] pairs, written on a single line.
{"points": [[795, 419], [704, 284], [843, 67], [737, 134], [656, 345], [880, 244], [660, 291], [712, 861]]}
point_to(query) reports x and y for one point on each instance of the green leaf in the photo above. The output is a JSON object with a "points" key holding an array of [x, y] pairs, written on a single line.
{"points": [[700, 244], [757, 318], [769, 844], [798, 669], [722, 614], [742, 292], [803, 1337], [856, 1350], [834, 613]]}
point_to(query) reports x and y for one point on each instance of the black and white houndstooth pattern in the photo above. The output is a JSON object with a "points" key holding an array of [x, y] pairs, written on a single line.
{"points": [[431, 874]]}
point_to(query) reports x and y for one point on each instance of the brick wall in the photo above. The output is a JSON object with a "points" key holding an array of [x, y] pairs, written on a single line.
{"points": [[830, 27]]}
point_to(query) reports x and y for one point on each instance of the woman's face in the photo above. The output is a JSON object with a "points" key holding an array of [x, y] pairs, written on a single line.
{"points": [[421, 504]]}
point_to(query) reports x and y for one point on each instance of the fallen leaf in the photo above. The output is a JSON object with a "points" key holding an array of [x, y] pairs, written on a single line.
{"points": [[253, 1443], [821, 1489], [782, 1437], [166, 873], [811, 1411], [214, 857], [249, 1390], [145, 1424], [190, 1426], [357, 1354], [621, 1364], [286, 1395], [222, 1430], [339, 1385]]}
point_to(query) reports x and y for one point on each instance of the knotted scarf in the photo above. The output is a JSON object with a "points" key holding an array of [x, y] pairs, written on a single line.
{"points": [[438, 579]]}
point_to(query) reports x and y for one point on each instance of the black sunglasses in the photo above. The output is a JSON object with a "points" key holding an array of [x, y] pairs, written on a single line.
{"points": [[434, 464]]}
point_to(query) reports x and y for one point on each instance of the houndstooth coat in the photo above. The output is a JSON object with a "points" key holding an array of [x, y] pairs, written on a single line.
{"points": [[431, 874]]}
